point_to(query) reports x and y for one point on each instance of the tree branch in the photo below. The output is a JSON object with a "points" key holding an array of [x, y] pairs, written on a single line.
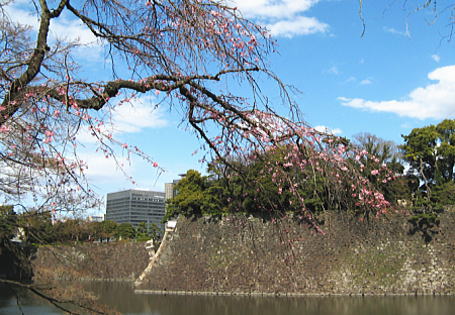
{"points": [[34, 64]]}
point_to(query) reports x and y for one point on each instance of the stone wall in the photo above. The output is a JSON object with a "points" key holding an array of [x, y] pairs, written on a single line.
{"points": [[247, 255], [90, 261], [15, 261]]}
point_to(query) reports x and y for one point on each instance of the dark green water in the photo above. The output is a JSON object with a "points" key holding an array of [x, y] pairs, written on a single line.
{"points": [[121, 297], [18, 301]]}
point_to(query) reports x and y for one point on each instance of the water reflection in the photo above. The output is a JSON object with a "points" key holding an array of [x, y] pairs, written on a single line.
{"points": [[121, 296], [15, 300]]}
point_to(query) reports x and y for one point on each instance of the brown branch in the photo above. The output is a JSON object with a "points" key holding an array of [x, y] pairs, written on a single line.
{"points": [[193, 101], [57, 303], [34, 63], [155, 82]]}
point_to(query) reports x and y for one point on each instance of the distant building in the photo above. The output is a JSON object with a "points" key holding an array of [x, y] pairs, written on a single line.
{"points": [[95, 218], [169, 189], [135, 206]]}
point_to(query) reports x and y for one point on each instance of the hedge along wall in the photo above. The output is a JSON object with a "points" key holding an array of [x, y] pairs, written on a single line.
{"points": [[247, 255]]}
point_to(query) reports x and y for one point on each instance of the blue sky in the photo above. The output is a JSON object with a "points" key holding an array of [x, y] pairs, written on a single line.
{"points": [[400, 75]]}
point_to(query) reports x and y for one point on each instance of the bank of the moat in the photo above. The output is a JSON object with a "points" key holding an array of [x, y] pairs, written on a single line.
{"points": [[243, 255], [113, 261]]}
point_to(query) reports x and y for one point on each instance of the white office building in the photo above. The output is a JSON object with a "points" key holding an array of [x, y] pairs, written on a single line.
{"points": [[135, 206]]}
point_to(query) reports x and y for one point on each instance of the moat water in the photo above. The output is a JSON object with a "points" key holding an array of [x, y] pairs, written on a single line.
{"points": [[120, 296]]}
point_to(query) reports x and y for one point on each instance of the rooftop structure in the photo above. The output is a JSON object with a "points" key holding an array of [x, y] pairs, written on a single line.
{"points": [[169, 189]]}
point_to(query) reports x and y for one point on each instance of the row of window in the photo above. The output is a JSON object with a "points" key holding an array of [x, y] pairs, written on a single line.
{"points": [[137, 211]]}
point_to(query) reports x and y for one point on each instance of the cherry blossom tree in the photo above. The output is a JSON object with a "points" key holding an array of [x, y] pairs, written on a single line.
{"points": [[184, 51], [179, 48]]}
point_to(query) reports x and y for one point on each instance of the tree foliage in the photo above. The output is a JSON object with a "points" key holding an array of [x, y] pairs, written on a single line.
{"points": [[125, 231], [196, 197], [430, 151], [279, 181], [145, 232], [8, 225], [444, 194], [37, 226], [382, 151], [105, 230], [40, 229]]}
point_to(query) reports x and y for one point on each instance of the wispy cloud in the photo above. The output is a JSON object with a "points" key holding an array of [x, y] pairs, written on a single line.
{"points": [[333, 70], [274, 8], [435, 100], [436, 58], [354, 80], [63, 28], [106, 170], [300, 25], [72, 31], [132, 117], [283, 18], [405, 33], [138, 114], [21, 16]]}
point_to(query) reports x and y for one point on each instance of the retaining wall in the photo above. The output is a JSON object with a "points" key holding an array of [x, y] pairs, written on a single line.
{"points": [[241, 255]]}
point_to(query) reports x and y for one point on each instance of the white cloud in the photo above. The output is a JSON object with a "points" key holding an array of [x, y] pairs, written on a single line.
{"points": [[84, 136], [300, 25], [353, 79], [102, 169], [139, 113], [335, 131], [274, 8], [435, 100], [22, 17], [72, 31], [436, 58], [283, 17], [130, 117], [64, 29], [69, 30], [405, 33], [333, 70]]}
